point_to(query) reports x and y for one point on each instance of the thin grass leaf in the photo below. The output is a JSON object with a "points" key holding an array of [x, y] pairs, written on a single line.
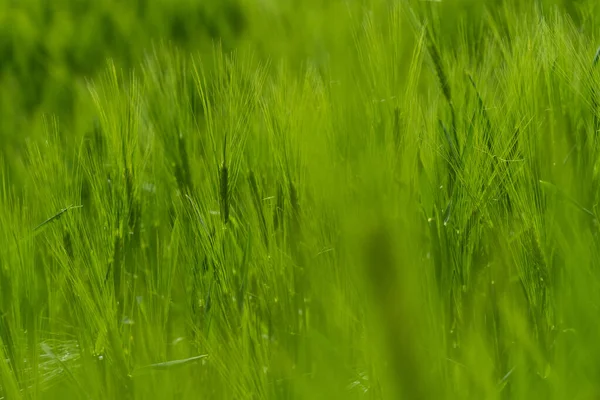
{"points": [[56, 216], [554, 190], [167, 365]]}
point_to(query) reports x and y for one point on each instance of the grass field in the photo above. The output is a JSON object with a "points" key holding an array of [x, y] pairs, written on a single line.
{"points": [[361, 199]]}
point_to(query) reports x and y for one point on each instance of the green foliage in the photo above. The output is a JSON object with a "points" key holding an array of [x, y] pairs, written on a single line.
{"points": [[364, 199]]}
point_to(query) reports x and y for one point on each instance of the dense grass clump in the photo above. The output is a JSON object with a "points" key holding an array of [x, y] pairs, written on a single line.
{"points": [[363, 199]]}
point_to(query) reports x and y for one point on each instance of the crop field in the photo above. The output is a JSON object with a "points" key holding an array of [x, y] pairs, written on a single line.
{"points": [[299, 199]]}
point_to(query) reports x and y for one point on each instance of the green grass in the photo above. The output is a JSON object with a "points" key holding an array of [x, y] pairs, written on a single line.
{"points": [[349, 200]]}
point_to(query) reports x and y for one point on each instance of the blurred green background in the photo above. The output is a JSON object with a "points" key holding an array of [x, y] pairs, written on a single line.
{"points": [[50, 49]]}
